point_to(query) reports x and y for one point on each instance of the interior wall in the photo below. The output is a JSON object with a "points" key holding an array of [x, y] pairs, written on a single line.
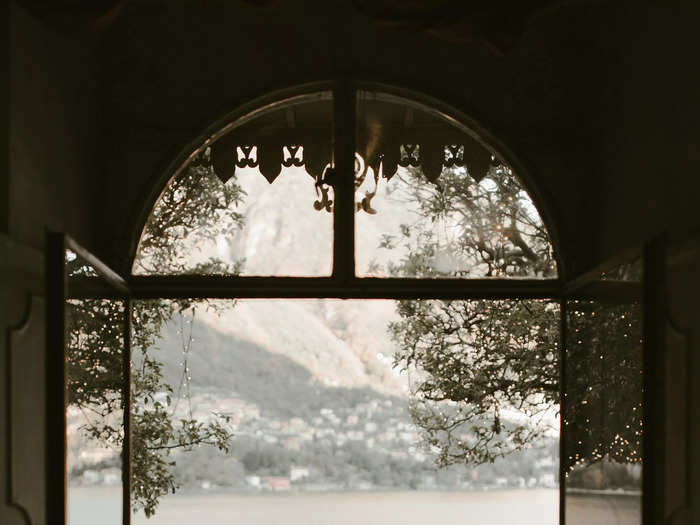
{"points": [[4, 115], [649, 187], [648, 177], [50, 126], [21, 394], [54, 127]]}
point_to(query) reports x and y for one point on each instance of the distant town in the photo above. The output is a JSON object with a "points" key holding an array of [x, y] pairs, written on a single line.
{"points": [[369, 445]]}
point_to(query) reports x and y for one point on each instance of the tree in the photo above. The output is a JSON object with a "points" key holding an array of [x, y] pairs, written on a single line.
{"points": [[485, 374], [495, 229], [194, 207], [475, 364], [96, 340]]}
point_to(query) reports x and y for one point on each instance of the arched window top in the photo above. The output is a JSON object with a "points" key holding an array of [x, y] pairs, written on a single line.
{"points": [[242, 203], [432, 200], [440, 201]]}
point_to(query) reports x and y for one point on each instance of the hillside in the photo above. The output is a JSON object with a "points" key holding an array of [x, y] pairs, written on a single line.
{"points": [[281, 357]]}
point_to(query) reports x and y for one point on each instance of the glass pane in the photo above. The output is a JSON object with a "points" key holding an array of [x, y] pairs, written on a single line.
{"points": [[604, 411], [95, 411], [318, 411], [253, 202], [434, 201]]}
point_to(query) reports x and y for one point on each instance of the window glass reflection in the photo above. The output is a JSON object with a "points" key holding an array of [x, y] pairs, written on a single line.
{"points": [[604, 411], [95, 383]]}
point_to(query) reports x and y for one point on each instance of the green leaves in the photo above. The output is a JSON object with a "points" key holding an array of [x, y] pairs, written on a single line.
{"points": [[387, 242], [489, 228], [157, 429], [95, 354], [194, 206], [472, 361]]}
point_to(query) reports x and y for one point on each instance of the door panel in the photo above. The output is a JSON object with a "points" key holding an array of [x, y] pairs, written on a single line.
{"points": [[88, 395]]}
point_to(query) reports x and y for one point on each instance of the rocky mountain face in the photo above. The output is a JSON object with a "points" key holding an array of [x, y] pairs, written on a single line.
{"points": [[265, 349], [339, 343]]}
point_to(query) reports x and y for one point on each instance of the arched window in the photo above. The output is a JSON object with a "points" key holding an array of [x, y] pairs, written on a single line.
{"points": [[344, 289], [432, 199], [243, 203]]}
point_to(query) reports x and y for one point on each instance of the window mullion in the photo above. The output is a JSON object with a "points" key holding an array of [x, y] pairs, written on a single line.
{"points": [[126, 403], [203, 287], [344, 180], [562, 409], [56, 395]]}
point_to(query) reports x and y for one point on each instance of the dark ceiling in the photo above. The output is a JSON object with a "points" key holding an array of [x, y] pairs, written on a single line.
{"points": [[497, 23]]}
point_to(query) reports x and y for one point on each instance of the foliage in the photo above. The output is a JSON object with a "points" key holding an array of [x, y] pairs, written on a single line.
{"points": [[157, 429], [195, 206], [494, 228], [96, 340], [355, 463], [475, 364], [486, 373]]}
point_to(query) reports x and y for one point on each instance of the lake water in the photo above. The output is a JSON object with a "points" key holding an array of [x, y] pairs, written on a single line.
{"points": [[89, 506]]}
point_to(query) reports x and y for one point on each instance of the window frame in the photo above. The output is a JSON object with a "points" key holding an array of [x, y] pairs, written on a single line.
{"points": [[59, 289], [344, 91], [342, 284]]}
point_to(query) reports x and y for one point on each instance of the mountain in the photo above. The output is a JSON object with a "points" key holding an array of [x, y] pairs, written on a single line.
{"points": [[283, 235], [275, 354]]}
